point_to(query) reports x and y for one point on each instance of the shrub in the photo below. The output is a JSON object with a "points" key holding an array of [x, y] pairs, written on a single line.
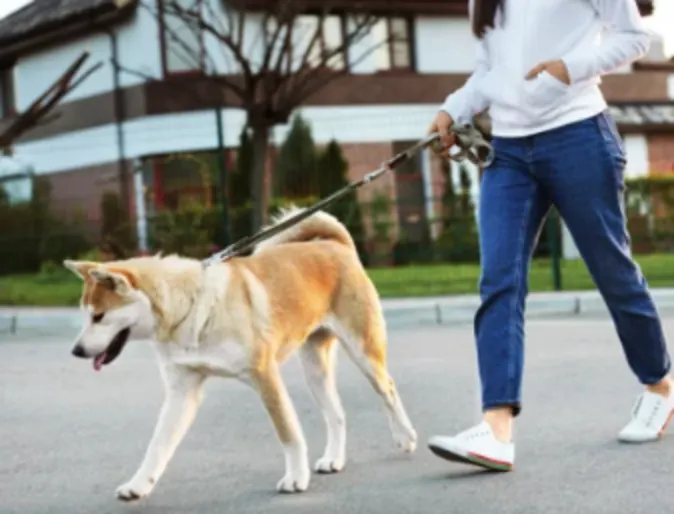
{"points": [[458, 241], [295, 173], [333, 175], [33, 234], [116, 230]]}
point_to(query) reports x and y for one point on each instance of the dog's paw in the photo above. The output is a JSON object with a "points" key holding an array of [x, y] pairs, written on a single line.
{"points": [[329, 464], [134, 490], [293, 483], [405, 439]]}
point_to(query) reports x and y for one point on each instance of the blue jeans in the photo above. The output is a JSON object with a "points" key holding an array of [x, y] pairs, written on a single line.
{"points": [[577, 168]]}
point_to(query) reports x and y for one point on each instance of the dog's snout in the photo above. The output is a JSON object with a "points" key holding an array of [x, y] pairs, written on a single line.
{"points": [[78, 351]]}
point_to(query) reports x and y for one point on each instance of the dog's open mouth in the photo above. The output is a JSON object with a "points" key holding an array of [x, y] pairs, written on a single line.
{"points": [[113, 350]]}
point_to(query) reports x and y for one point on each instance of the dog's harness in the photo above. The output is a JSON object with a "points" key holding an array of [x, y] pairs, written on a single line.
{"points": [[472, 146]]}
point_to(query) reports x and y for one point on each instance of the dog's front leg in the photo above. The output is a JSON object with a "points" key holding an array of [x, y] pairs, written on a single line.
{"points": [[183, 396]]}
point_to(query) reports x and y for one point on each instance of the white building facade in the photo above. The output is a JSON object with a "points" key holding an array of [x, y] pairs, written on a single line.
{"points": [[117, 118]]}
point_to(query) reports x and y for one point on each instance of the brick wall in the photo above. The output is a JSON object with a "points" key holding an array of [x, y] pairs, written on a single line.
{"points": [[364, 158], [661, 153], [81, 190]]}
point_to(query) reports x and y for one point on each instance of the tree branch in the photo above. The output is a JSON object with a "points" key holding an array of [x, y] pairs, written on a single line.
{"points": [[225, 39], [302, 81], [45, 103]]}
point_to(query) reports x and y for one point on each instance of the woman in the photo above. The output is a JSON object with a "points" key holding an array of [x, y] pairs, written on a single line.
{"points": [[538, 69]]}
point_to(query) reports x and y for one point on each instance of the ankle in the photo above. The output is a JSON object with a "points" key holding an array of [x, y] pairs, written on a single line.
{"points": [[501, 422], [664, 388]]}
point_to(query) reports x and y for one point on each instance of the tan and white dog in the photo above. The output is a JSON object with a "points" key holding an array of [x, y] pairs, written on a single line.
{"points": [[304, 288]]}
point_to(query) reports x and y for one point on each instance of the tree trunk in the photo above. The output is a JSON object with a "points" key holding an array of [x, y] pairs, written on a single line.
{"points": [[258, 190]]}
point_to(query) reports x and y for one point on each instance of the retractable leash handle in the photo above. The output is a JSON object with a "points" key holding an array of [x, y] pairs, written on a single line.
{"points": [[472, 146]]}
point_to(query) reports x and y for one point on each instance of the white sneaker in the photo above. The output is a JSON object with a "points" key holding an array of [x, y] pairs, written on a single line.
{"points": [[650, 416], [475, 446]]}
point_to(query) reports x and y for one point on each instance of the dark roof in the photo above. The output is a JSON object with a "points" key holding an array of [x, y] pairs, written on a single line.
{"points": [[42, 16]]}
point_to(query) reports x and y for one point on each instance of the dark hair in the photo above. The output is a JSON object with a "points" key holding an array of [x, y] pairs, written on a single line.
{"points": [[484, 15]]}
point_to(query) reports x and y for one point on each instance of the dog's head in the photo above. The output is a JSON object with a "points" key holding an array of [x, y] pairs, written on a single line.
{"points": [[117, 310]]}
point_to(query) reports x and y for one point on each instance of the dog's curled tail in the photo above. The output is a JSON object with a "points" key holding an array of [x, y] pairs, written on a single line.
{"points": [[318, 226]]}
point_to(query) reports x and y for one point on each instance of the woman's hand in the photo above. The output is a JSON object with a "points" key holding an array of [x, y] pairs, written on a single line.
{"points": [[441, 125], [556, 68]]}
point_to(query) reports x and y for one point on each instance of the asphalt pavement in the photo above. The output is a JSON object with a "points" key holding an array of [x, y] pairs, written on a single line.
{"points": [[70, 436]]}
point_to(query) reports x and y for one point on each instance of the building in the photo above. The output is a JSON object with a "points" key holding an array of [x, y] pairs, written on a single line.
{"points": [[118, 121]]}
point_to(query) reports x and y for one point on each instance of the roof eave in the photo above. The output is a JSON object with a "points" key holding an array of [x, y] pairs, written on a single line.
{"points": [[84, 23]]}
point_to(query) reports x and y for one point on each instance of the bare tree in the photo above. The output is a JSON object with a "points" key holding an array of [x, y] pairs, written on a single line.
{"points": [[38, 112], [275, 69]]}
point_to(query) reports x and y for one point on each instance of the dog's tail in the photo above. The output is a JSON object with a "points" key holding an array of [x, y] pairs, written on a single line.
{"points": [[318, 226]]}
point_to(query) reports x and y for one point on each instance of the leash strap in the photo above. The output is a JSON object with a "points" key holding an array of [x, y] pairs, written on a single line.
{"points": [[472, 146]]}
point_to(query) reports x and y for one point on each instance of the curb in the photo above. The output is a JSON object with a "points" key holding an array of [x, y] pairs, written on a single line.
{"points": [[399, 313], [461, 309]]}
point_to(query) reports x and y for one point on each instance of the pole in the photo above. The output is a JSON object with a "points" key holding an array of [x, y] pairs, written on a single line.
{"points": [[222, 168], [555, 251], [141, 213]]}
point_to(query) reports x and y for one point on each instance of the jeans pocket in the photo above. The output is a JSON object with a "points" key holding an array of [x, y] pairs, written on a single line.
{"points": [[609, 131], [615, 147]]}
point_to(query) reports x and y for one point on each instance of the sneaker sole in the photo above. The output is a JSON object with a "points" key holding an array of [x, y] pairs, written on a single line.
{"points": [[478, 460]]}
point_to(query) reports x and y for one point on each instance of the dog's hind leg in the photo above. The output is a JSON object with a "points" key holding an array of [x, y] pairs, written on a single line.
{"points": [[266, 379], [364, 339], [317, 355], [183, 396]]}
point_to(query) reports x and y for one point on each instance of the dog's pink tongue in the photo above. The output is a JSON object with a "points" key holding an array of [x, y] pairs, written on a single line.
{"points": [[98, 361]]}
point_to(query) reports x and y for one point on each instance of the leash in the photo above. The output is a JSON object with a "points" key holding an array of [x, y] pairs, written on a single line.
{"points": [[472, 146]]}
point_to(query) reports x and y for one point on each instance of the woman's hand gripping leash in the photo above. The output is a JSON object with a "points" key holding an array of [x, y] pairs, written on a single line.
{"points": [[444, 134]]}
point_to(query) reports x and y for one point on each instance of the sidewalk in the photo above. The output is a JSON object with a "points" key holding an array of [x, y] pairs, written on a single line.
{"points": [[403, 312]]}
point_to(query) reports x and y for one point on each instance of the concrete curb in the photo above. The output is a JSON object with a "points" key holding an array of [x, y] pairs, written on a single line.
{"points": [[400, 313]]}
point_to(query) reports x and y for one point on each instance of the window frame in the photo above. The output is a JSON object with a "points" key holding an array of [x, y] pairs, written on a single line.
{"points": [[410, 44], [346, 66], [7, 92], [165, 45]]}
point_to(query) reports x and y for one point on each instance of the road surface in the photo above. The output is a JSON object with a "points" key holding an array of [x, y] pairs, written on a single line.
{"points": [[70, 436]]}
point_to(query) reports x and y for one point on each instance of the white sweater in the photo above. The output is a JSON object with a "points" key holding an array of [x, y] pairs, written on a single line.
{"points": [[540, 30]]}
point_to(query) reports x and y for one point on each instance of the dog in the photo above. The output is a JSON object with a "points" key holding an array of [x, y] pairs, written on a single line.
{"points": [[304, 289]]}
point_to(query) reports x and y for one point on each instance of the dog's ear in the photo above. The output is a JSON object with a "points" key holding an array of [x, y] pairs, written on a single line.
{"points": [[80, 268], [121, 282]]}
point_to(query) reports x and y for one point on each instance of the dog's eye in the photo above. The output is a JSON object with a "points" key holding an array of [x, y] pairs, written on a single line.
{"points": [[96, 318]]}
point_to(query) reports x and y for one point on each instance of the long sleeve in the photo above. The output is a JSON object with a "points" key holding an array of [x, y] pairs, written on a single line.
{"points": [[467, 101], [624, 40]]}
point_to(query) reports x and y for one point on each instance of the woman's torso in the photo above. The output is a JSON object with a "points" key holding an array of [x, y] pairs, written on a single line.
{"points": [[534, 31]]}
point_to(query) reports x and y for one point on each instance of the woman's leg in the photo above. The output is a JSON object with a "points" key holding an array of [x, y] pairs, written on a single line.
{"points": [[511, 211], [582, 165]]}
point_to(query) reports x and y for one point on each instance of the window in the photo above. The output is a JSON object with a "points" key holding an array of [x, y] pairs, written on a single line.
{"points": [[181, 39], [324, 50], [6, 93], [16, 184], [394, 37]]}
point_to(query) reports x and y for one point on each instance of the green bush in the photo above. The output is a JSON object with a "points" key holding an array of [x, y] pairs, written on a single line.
{"points": [[192, 230], [458, 241], [188, 231], [32, 233], [333, 175], [117, 230], [296, 170]]}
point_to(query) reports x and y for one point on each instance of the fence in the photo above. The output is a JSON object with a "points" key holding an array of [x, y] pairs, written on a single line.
{"points": [[406, 251]]}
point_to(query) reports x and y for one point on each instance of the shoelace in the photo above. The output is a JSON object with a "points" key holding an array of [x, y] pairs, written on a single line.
{"points": [[473, 434], [653, 411]]}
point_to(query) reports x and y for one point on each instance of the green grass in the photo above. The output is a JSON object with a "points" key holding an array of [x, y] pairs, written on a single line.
{"points": [[62, 288], [448, 279]]}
